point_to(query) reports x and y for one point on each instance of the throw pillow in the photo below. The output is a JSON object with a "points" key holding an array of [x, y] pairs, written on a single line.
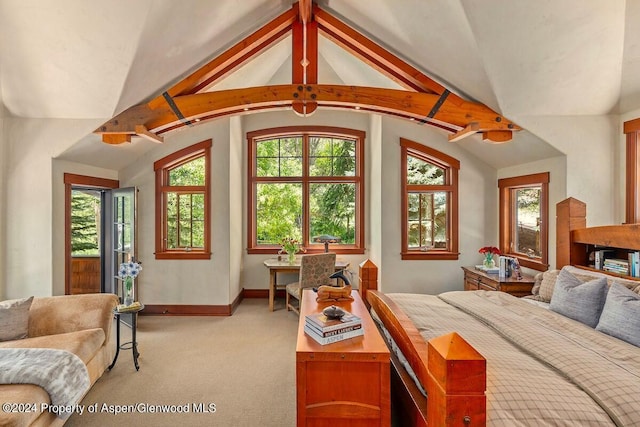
{"points": [[620, 316], [547, 284], [14, 319], [579, 301]]}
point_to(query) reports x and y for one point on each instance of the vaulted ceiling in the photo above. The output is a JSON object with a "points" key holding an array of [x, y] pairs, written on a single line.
{"points": [[75, 59]]}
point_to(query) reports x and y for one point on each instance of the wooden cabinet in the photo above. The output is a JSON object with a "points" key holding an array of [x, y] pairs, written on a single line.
{"points": [[477, 279], [345, 383]]}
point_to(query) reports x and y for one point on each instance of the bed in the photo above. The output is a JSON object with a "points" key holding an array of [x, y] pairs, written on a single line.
{"points": [[488, 358]]}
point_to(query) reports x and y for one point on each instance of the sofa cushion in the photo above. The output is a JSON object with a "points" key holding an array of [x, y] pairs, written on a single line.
{"points": [[84, 344], [577, 300], [14, 319], [26, 394], [621, 314]]}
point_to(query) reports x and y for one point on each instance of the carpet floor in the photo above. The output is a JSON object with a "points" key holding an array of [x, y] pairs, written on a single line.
{"points": [[201, 371]]}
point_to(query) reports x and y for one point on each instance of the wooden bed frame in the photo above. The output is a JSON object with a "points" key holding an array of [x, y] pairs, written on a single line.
{"points": [[451, 370]]}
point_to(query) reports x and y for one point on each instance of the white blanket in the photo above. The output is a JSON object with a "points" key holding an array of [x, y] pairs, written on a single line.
{"points": [[61, 373]]}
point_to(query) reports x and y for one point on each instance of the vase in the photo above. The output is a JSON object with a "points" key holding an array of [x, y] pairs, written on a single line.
{"points": [[489, 262], [128, 291], [291, 258]]}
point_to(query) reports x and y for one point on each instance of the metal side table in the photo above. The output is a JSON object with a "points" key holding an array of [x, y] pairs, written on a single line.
{"points": [[131, 345]]}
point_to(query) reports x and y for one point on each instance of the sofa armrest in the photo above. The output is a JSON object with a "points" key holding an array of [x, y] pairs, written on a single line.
{"points": [[69, 313]]}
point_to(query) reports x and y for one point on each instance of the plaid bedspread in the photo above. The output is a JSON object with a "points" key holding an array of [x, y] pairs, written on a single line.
{"points": [[542, 368]]}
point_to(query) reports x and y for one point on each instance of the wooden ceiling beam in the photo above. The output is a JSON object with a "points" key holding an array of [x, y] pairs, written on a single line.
{"points": [[141, 130], [412, 105], [470, 129], [232, 57], [304, 12]]}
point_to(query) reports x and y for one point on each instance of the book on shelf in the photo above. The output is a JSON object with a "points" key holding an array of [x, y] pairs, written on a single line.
{"points": [[615, 265], [325, 324], [634, 264], [599, 257], [333, 338]]}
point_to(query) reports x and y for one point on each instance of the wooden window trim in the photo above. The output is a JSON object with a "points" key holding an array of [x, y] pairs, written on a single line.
{"points": [[451, 166], [162, 168], [505, 185], [632, 171], [71, 180], [358, 179]]}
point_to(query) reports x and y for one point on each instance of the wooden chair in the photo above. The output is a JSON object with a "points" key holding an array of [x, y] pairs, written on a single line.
{"points": [[314, 272]]}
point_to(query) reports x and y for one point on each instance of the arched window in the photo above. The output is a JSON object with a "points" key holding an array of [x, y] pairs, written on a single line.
{"points": [[429, 203], [183, 204], [306, 183]]}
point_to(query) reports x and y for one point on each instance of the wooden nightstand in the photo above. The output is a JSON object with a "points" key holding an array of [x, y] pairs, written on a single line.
{"points": [[344, 383], [477, 279]]}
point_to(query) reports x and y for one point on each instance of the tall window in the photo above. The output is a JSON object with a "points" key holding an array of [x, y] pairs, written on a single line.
{"points": [[524, 217], [306, 183], [429, 203], [182, 204]]}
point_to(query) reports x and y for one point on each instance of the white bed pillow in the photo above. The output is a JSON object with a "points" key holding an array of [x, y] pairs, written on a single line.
{"points": [[577, 300], [620, 316]]}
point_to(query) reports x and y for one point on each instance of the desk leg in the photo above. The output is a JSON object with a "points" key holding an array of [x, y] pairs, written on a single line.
{"points": [[117, 342], [272, 288]]}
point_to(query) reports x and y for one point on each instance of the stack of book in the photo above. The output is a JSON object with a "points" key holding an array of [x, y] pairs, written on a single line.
{"points": [[326, 331], [615, 265], [634, 264]]}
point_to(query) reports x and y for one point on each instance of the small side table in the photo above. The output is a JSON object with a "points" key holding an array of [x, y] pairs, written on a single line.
{"points": [[131, 345]]}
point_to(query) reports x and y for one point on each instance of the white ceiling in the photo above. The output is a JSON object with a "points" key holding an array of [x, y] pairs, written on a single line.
{"points": [[79, 59]]}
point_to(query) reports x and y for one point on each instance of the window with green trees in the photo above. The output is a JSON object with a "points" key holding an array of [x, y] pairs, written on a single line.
{"points": [[182, 204], [306, 183], [430, 203], [85, 222], [524, 219]]}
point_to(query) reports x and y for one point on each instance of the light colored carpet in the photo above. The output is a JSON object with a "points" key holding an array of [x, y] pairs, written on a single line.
{"points": [[243, 364]]}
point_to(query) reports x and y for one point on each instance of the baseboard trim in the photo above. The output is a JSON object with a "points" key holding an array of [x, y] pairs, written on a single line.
{"points": [[260, 293], [188, 310]]}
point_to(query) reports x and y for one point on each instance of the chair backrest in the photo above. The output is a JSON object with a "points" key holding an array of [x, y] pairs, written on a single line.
{"points": [[315, 269]]}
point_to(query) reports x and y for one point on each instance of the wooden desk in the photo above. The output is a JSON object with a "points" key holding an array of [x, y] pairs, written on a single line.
{"points": [[275, 266], [344, 383]]}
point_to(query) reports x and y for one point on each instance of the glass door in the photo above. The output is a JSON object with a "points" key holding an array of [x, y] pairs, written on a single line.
{"points": [[123, 235]]}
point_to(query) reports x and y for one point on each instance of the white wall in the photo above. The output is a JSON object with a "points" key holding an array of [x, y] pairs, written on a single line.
{"points": [[590, 144], [193, 282], [477, 213], [31, 144], [3, 201], [236, 185]]}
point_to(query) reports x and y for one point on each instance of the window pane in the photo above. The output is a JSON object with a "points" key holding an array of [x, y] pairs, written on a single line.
{"points": [[427, 226], [85, 222], [425, 173], [191, 173], [332, 211], [279, 157], [331, 157], [527, 221], [278, 212]]}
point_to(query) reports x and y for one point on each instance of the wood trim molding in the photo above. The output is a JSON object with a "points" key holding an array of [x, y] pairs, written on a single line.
{"points": [[192, 310], [632, 177], [505, 185], [70, 180]]}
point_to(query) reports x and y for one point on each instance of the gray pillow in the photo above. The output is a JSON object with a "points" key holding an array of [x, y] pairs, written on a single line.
{"points": [[620, 317], [14, 319], [579, 301]]}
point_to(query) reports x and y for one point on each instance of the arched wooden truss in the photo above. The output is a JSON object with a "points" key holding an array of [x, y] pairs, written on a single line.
{"points": [[188, 102]]}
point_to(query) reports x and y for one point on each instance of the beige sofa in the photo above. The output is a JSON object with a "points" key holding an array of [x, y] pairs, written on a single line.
{"points": [[80, 324]]}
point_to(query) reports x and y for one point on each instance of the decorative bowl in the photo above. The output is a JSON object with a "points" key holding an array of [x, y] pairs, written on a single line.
{"points": [[333, 312]]}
